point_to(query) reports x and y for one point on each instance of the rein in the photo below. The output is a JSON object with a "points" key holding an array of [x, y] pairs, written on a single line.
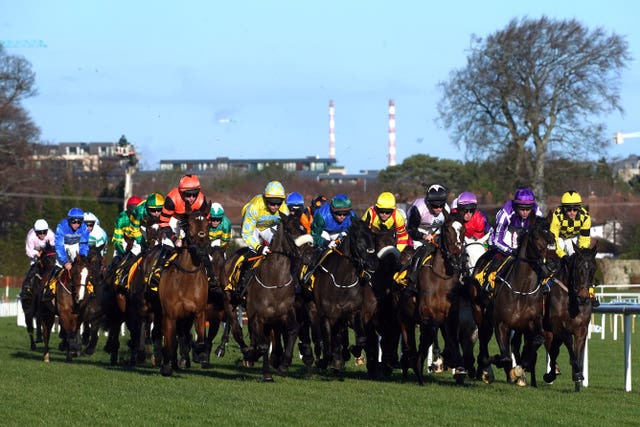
{"points": [[335, 283]]}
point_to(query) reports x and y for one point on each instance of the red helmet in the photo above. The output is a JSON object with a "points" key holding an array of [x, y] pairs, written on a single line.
{"points": [[133, 201], [189, 182]]}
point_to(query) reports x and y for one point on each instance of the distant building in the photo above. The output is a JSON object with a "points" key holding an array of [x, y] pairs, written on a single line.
{"points": [[78, 157], [311, 164], [628, 168]]}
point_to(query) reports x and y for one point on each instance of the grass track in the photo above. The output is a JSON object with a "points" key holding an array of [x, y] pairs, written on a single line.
{"points": [[90, 392]]}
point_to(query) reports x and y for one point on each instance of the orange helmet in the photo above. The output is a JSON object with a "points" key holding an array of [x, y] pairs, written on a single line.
{"points": [[189, 182]]}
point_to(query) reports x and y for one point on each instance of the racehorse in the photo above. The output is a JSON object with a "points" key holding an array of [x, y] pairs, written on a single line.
{"points": [[30, 302], [568, 312], [71, 300], [436, 306], [219, 309], [91, 314], [183, 291], [270, 299], [387, 294], [516, 306], [341, 299]]}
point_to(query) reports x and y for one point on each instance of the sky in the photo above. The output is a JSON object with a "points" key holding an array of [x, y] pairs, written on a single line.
{"points": [[253, 79]]}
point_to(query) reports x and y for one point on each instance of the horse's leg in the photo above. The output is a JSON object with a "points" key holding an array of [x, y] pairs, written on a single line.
{"points": [[552, 345], [337, 335], [503, 335], [304, 335], [579, 340], [46, 318], [169, 346], [325, 325], [292, 329], [199, 353], [27, 308], [224, 338]]}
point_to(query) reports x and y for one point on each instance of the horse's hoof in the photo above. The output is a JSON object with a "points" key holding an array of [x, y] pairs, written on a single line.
{"points": [[45, 358], [89, 351], [549, 378], [267, 378], [521, 381], [166, 370], [487, 377], [33, 346], [247, 363], [220, 352], [38, 340], [360, 361], [184, 364]]}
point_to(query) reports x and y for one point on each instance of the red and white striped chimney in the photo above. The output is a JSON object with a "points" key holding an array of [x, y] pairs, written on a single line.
{"points": [[332, 132], [392, 133]]}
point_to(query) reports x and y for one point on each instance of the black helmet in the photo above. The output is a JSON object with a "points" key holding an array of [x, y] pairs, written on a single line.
{"points": [[436, 195]]}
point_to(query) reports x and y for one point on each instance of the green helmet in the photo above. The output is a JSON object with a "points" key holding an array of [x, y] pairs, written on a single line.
{"points": [[155, 201], [216, 211], [340, 202]]}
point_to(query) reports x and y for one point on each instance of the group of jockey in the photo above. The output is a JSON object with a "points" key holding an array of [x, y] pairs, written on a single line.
{"points": [[326, 220]]}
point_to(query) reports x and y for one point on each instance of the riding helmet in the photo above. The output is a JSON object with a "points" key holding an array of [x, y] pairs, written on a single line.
{"points": [[189, 182], [41, 225], [133, 202], [524, 197], [571, 198], [75, 213], [90, 217], [216, 211], [386, 200], [467, 200], [436, 195], [155, 201], [295, 200], [340, 202]]}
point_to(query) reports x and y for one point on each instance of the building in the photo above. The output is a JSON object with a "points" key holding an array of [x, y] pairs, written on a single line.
{"points": [[312, 164], [79, 157]]}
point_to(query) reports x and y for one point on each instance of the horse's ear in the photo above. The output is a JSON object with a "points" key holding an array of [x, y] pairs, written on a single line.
{"points": [[550, 216]]}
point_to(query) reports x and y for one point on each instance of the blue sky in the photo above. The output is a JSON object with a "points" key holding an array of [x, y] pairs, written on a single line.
{"points": [[253, 79]]}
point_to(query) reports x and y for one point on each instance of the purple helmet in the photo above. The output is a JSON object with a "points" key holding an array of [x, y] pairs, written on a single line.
{"points": [[467, 198], [524, 197]]}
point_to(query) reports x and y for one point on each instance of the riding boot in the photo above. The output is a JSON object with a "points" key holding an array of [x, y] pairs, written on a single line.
{"points": [[211, 277], [317, 256], [48, 291], [165, 253], [592, 295], [412, 277], [26, 285]]}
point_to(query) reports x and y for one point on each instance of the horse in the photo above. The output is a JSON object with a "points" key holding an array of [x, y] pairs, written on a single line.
{"points": [[71, 301], [341, 297], [436, 306], [387, 293], [516, 306], [91, 314], [219, 309], [183, 291], [30, 302], [270, 299], [568, 312]]}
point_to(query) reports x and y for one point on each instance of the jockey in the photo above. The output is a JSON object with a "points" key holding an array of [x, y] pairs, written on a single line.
{"points": [[97, 236], [295, 203], [187, 194], [260, 217], [71, 239], [260, 214], [219, 226], [571, 225], [37, 239], [513, 219], [426, 216], [385, 216], [476, 224], [147, 215], [331, 222], [127, 228]]}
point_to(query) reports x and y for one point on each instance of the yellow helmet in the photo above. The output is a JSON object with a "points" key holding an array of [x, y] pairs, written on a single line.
{"points": [[386, 200], [571, 198], [274, 190]]}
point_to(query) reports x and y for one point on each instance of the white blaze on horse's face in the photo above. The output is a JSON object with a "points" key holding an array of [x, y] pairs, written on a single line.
{"points": [[459, 239], [84, 273]]}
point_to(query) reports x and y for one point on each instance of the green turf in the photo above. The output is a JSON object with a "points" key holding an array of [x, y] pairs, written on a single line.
{"points": [[90, 392]]}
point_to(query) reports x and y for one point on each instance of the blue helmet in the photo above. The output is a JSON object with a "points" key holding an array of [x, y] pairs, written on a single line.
{"points": [[295, 199], [75, 213]]}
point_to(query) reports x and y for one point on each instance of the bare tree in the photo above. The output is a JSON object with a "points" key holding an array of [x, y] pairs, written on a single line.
{"points": [[17, 130], [536, 87]]}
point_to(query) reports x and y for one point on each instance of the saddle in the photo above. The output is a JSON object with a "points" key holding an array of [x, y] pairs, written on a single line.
{"points": [[239, 268], [153, 279], [487, 276]]}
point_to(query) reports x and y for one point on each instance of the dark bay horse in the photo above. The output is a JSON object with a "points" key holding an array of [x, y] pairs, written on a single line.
{"points": [[341, 298], [219, 309], [436, 306], [516, 306], [73, 296], [568, 311], [270, 299], [30, 301], [183, 292]]}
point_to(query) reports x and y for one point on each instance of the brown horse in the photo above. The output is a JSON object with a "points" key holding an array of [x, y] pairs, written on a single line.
{"points": [[270, 299], [183, 291], [516, 306], [30, 301], [568, 313], [436, 306], [342, 300], [71, 300]]}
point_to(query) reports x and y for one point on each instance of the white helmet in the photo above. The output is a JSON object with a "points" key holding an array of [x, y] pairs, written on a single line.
{"points": [[89, 216], [41, 225]]}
